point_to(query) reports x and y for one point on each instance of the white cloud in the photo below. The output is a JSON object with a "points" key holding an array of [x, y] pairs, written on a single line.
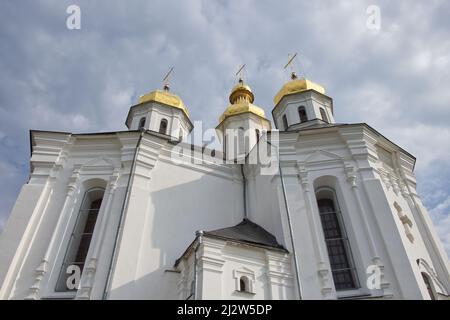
{"points": [[441, 217]]}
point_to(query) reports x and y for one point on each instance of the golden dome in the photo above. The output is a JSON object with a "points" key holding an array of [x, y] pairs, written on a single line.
{"points": [[239, 108], [165, 97], [241, 93], [241, 99], [295, 86]]}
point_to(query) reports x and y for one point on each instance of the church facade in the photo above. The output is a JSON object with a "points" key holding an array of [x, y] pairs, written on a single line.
{"points": [[144, 214]]}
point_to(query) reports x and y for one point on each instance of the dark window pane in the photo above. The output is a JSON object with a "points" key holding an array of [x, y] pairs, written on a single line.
{"points": [[163, 126], [337, 253], [343, 280], [90, 222], [324, 115], [62, 282], [242, 285], [81, 238], [86, 236], [343, 273], [285, 122], [83, 248], [141, 123], [302, 114]]}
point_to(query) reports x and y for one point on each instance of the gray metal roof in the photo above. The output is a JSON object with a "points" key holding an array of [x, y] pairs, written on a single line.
{"points": [[247, 232]]}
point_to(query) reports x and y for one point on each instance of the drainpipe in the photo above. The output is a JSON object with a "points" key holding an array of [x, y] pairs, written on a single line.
{"points": [[199, 235], [122, 216], [245, 190], [290, 228]]}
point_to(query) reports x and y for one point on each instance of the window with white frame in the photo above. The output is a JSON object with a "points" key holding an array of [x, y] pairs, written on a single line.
{"points": [[80, 241], [244, 284], [163, 126], [323, 114], [141, 123], [302, 114], [244, 280], [336, 239], [285, 122], [434, 286]]}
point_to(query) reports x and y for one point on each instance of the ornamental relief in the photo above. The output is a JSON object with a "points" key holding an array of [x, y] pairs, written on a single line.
{"points": [[391, 180], [406, 221]]}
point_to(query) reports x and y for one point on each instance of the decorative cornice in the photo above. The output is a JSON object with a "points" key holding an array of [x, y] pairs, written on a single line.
{"points": [[210, 263]]}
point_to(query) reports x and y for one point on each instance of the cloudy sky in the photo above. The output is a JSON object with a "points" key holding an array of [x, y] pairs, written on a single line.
{"points": [[396, 79]]}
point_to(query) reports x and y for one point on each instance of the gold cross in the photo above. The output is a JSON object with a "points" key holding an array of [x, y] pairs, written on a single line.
{"points": [[240, 72], [166, 79], [290, 65]]}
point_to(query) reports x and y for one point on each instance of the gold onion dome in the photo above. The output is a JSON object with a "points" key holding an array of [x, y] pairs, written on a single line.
{"points": [[165, 97], [241, 99], [295, 86]]}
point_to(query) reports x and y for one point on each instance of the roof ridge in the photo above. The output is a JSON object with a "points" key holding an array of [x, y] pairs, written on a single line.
{"points": [[247, 231]]}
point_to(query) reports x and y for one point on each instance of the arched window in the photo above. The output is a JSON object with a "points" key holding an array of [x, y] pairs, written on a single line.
{"points": [[302, 114], [427, 281], [141, 123], [323, 114], [257, 135], [81, 237], [243, 284], [285, 122], [338, 247], [163, 126]]}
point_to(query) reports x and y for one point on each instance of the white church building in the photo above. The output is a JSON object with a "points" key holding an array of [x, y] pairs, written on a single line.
{"points": [[145, 214]]}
